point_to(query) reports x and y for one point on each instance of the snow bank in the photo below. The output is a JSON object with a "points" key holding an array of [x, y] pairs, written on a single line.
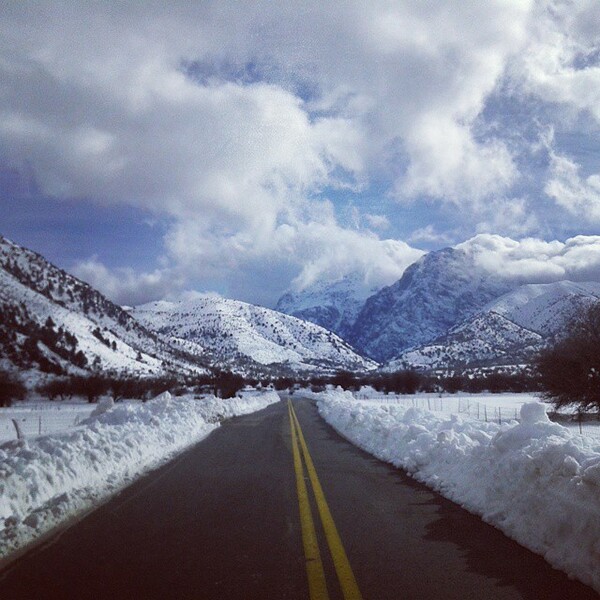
{"points": [[46, 480], [533, 480]]}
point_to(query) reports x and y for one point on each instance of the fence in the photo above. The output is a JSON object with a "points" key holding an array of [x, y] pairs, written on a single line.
{"points": [[483, 411], [40, 420], [453, 405]]}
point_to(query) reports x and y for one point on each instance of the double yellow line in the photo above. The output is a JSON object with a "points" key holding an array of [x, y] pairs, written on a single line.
{"points": [[314, 566]]}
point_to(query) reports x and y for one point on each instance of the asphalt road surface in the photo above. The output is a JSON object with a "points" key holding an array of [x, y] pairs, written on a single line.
{"points": [[229, 519]]}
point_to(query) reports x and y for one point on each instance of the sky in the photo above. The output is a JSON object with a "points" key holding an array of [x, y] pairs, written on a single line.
{"points": [[248, 148]]}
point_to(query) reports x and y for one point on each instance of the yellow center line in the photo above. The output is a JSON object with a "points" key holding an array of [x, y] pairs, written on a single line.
{"points": [[317, 586], [340, 559]]}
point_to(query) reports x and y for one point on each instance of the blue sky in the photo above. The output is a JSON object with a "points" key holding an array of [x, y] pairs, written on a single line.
{"points": [[249, 147]]}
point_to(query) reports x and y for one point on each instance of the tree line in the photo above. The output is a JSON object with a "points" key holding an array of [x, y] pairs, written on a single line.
{"points": [[412, 382], [223, 384]]}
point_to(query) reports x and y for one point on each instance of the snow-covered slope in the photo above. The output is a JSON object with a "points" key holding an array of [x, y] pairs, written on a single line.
{"points": [[438, 291], [545, 308], [485, 339], [50, 321], [333, 305], [509, 330], [232, 331]]}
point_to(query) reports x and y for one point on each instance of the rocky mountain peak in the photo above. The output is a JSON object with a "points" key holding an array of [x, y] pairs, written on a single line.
{"points": [[439, 290]]}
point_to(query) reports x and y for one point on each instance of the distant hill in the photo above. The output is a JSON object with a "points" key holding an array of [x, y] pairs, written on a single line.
{"points": [[235, 332], [444, 311]]}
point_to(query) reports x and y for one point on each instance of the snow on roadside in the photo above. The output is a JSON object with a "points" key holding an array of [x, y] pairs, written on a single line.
{"points": [[48, 479], [533, 480]]}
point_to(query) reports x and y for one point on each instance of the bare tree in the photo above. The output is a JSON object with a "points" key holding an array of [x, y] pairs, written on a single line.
{"points": [[570, 369]]}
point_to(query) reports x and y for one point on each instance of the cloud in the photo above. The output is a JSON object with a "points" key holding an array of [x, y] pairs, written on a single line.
{"points": [[560, 63], [126, 287], [577, 195], [532, 260], [513, 216], [232, 121], [428, 235], [377, 221], [210, 103], [447, 163], [228, 149], [333, 252], [310, 245]]}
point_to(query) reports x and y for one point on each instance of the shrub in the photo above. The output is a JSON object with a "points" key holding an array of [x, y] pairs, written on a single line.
{"points": [[227, 384], [57, 388], [11, 388]]}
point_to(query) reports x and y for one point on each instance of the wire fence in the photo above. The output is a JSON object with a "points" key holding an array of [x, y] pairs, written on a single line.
{"points": [[453, 405], [483, 411], [40, 420]]}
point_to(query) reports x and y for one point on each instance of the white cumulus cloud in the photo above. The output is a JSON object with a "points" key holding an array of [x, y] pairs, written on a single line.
{"points": [[560, 62], [125, 286], [531, 260]]}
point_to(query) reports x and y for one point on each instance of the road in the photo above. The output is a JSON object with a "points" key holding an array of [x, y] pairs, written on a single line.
{"points": [[223, 521]]}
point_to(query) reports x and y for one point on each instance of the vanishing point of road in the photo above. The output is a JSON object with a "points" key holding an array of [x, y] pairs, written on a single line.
{"points": [[276, 505]]}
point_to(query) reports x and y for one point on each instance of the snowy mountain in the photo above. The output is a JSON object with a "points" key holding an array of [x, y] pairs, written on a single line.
{"points": [[444, 311], [441, 289], [52, 322], [485, 339], [332, 305], [234, 332], [509, 330], [545, 308]]}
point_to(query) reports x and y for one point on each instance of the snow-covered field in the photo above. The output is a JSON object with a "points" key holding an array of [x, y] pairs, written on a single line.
{"points": [[535, 480], [498, 408], [47, 479]]}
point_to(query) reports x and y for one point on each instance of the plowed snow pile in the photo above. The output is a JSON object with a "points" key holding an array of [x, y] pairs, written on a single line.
{"points": [[533, 479], [48, 479]]}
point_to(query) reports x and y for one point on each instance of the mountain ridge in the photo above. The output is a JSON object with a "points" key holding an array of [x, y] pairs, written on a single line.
{"points": [[235, 330], [511, 329], [53, 322]]}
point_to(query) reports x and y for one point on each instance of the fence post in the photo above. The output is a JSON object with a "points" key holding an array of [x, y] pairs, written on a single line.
{"points": [[40, 425], [18, 429], [485, 411]]}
